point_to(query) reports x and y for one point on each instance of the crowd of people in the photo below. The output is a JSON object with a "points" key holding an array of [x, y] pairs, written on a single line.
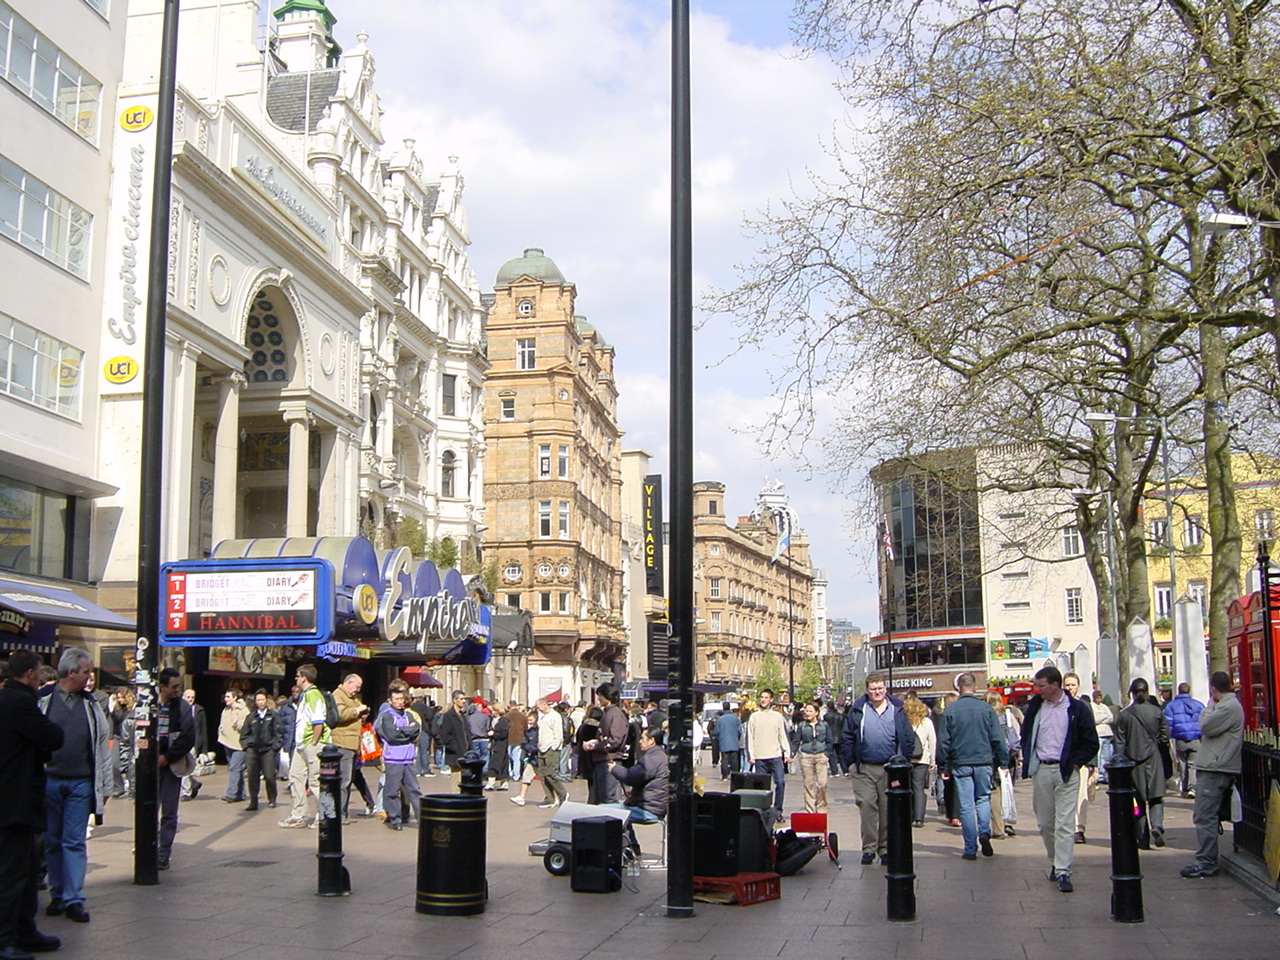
{"points": [[66, 749]]}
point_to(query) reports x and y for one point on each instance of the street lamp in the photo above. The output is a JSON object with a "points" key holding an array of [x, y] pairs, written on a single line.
{"points": [[1097, 416]]}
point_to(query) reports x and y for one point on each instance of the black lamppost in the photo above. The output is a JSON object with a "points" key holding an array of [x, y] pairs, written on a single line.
{"points": [[150, 495], [680, 673]]}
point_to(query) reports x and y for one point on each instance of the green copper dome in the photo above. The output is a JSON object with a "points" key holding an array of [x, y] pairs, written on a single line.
{"points": [[318, 6], [535, 263]]}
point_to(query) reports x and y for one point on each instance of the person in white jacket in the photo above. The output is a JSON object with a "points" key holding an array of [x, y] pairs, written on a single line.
{"points": [[924, 763]]}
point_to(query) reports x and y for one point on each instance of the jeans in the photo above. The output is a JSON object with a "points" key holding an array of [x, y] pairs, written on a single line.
{"points": [[973, 788], [18, 869], [515, 761], [1106, 750], [480, 747], [235, 775], [68, 804], [730, 762], [1185, 752], [169, 787], [778, 770], [919, 788]]}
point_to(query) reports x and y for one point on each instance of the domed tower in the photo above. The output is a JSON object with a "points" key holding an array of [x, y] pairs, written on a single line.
{"points": [[553, 476]]}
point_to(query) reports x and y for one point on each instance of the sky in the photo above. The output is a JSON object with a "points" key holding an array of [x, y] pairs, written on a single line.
{"points": [[558, 112]]}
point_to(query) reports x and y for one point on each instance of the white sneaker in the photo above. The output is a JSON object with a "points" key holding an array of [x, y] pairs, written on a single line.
{"points": [[518, 801]]}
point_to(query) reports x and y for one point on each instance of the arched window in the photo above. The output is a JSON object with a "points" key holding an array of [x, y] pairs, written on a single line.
{"points": [[448, 466], [270, 336]]}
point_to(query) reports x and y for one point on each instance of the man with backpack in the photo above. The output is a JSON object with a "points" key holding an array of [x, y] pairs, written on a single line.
{"points": [[309, 735]]}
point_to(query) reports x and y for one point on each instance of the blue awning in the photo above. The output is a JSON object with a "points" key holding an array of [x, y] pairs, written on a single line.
{"points": [[45, 604]]}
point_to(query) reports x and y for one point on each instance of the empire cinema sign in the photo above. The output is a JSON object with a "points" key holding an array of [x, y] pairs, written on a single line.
{"points": [[323, 591]]}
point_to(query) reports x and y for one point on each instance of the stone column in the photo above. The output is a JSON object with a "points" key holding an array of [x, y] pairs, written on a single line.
{"points": [[180, 431], [331, 462], [226, 456], [299, 447]]}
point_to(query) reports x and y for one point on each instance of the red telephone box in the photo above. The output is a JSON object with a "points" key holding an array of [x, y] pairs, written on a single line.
{"points": [[1246, 643]]}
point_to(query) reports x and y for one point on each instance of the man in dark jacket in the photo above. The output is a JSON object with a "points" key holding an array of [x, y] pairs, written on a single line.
{"points": [[1058, 738], [260, 739], [27, 739], [610, 744], [875, 731], [971, 744], [834, 720], [455, 737], [647, 778], [175, 738]]}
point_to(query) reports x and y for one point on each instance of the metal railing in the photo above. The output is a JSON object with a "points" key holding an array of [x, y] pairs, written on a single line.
{"points": [[1260, 767]]}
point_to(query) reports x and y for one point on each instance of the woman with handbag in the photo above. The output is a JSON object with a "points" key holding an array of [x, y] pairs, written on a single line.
{"points": [[260, 738]]}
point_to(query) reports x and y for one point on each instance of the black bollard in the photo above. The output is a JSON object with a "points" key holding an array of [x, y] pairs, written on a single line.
{"points": [[472, 783], [901, 874], [334, 880], [1126, 876], [451, 855]]}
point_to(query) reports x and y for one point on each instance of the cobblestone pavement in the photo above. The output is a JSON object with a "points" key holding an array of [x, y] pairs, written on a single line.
{"points": [[242, 887]]}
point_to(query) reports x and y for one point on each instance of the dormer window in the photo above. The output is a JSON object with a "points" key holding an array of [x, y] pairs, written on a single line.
{"points": [[525, 308]]}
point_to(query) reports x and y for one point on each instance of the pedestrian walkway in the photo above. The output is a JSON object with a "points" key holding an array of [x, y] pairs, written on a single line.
{"points": [[242, 887]]}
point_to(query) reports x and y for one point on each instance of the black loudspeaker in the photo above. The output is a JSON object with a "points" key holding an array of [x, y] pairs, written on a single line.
{"points": [[750, 781], [754, 853], [715, 834], [596, 861]]}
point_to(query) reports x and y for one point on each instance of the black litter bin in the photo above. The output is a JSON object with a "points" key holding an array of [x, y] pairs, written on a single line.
{"points": [[451, 855]]}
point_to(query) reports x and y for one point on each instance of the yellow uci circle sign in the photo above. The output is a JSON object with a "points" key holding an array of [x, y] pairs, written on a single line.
{"points": [[135, 119], [365, 602], [120, 369]]}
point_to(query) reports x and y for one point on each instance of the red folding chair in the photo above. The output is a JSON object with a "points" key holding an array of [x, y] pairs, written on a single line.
{"points": [[813, 826]]}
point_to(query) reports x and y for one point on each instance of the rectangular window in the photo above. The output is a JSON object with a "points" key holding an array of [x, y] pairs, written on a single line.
{"points": [[1075, 605], [526, 353], [1159, 532], [564, 602], [1017, 605], [513, 600], [1015, 575], [34, 525], [715, 621], [1195, 530], [1264, 523], [99, 5], [43, 220], [715, 549], [1012, 515], [544, 518], [508, 405], [39, 369], [544, 601], [449, 395], [33, 64], [715, 587], [564, 519], [711, 663], [562, 462], [1164, 600], [1198, 591], [713, 507], [1071, 545], [544, 459]]}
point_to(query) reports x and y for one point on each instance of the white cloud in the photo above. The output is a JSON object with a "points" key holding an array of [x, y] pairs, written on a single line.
{"points": [[559, 113]]}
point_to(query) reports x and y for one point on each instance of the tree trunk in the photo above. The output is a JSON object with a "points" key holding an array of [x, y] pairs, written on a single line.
{"points": [[1224, 522]]}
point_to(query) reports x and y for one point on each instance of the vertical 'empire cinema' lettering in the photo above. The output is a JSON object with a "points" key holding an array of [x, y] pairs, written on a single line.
{"points": [[125, 328]]}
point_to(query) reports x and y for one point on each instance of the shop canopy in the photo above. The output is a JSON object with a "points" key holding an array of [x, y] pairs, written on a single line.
{"points": [[45, 604]]}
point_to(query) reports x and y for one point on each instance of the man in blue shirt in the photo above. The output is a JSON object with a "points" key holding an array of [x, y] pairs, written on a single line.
{"points": [[875, 730], [729, 738]]}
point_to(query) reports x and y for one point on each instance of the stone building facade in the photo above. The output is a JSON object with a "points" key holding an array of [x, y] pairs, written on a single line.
{"points": [[553, 477]]}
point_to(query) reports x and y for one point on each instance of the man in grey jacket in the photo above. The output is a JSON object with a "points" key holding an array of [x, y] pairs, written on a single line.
{"points": [[78, 782], [971, 744], [1217, 764]]}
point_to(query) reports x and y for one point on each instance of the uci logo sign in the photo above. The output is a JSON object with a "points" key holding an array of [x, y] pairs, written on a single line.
{"points": [[120, 369], [136, 119]]}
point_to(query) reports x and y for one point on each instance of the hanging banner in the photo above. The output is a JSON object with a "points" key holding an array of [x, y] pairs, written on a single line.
{"points": [[653, 578]]}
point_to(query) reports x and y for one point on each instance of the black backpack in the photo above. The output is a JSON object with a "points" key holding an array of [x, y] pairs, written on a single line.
{"points": [[331, 715]]}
